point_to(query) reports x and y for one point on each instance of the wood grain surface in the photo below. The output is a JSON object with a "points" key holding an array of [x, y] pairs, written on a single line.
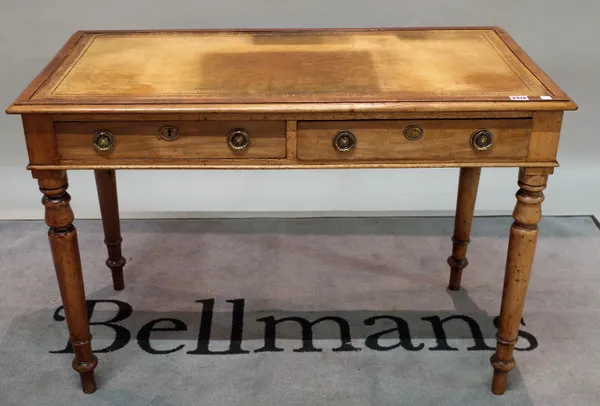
{"points": [[197, 140], [443, 140]]}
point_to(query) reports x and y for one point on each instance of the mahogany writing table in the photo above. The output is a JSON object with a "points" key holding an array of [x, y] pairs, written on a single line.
{"points": [[285, 99]]}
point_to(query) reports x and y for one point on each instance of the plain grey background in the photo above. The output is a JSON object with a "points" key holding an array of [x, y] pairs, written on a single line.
{"points": [[562, 37]]}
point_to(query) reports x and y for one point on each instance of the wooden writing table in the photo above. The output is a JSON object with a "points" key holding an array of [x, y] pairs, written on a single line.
{"points": [[286, 99]]}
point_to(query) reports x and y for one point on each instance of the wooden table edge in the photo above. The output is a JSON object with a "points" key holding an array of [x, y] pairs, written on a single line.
{"points": [[286, 164], [291, 108]]}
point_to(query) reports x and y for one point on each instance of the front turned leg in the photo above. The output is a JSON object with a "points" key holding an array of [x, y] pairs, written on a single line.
{"points": [[521, 250], [106, 183], [67, 263], [465, 207]]}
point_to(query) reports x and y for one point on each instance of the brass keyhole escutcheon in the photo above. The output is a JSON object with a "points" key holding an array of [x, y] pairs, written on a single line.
{"points": [[104, 141], [413, 132], [344, 141], [238, 139], [169, 133], [482, 140]]}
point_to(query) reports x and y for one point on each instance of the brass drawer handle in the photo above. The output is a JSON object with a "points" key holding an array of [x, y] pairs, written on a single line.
{"points": [[169, 133], [104, 141], [238, 139], [482, 140], [344, 141], [413, 132]]}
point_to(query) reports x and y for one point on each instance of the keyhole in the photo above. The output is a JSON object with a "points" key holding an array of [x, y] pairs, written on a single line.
{"points": [[169, 133]]}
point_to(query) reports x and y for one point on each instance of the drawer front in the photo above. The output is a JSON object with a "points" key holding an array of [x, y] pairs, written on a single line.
{"points": [[437, 140], [192, 140]]}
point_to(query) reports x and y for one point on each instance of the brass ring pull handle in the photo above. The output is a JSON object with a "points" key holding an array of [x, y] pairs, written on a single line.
{"points": [[169, 133], [104, 141], [482, 140], [344, 141], [413, 132], [238, 139]]}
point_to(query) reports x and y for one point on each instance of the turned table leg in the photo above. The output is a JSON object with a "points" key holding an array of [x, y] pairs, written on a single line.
{"points": [[521, 250], [106, 184], [65, 253], [465, 207]]}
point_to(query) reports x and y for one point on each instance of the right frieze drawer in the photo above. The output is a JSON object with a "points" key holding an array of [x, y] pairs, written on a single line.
{"points": [[447, 140]]}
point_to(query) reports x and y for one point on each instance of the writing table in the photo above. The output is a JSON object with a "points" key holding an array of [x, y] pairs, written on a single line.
{"points": [[285, 99]]}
